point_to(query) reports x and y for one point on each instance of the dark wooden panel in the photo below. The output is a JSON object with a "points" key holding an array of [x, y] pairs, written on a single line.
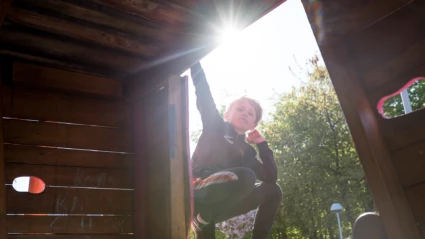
{"points": [[58, 63], [48, 106], [63, 157], [410, 164], [31, 224], [158, 166], [66, 80], [335, 18], [51, 134], [373, 152], [81, 32], [70, 201], [70, 236], [391, 36], [71, 176], [416, 198], [19, 39], [102, 18], [389, 76], [3, 223], [403, 131]]}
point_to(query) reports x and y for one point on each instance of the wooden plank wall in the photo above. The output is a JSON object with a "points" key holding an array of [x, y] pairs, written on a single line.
{"points": [[388, 55], [76, 138], [371, 50]]}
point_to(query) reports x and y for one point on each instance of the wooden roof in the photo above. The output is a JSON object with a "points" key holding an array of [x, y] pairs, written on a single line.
{"points": [[119, 38]]}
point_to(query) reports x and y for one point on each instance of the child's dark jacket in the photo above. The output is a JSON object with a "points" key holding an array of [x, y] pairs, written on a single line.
{"points": [[219, 146]]}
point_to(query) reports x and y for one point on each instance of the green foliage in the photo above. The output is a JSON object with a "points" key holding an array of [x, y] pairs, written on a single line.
{"points": [[394, 106], [317, 161]]}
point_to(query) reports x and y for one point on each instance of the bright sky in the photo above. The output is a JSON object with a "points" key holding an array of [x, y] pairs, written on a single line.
{"points": [[256, 61]]}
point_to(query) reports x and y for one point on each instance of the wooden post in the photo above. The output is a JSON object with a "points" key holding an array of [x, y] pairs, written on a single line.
{"points": [[386, 188], [177, 97], [3, 223]]}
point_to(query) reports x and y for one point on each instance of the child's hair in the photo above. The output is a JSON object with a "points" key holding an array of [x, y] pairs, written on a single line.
{"points": [[253, 102]]}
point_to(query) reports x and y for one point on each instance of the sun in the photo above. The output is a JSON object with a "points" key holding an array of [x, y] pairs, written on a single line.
{"points": [[228, 35]]}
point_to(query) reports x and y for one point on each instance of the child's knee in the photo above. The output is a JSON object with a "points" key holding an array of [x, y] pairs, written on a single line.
{"points": [[247, 176], [273, 191]]}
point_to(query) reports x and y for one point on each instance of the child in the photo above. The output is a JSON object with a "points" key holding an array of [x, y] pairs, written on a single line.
{"points": [[225, 167]]}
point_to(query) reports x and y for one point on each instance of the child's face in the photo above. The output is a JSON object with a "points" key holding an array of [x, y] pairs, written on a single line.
{"points": [[242, 116]]}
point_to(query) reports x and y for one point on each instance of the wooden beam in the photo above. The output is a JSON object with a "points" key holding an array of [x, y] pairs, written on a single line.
{"points": [[3, 222], [179, 180], [35, 42], [375, 158], [123, 42], [56, 63]]}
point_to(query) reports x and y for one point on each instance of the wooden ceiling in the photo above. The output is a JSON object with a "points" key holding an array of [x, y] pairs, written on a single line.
{"points": [[119, 38]]}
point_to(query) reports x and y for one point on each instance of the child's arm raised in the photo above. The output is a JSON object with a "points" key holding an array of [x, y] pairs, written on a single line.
{"points": [[204, 100]]}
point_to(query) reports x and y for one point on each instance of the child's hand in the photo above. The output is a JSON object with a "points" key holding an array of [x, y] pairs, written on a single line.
{"points": [[254, 137]]}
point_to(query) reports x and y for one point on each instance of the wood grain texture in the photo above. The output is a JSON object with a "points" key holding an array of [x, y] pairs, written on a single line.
{"points": [[374, 155], [60, 26], [66, 80], [71, 136], [62, 157], [48, 46], [102, 18], [87, 225], [70, 201], [56, 107], [71, 176]]}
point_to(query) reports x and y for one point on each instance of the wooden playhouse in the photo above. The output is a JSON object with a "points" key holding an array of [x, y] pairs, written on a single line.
{"points": [[93, 105]]}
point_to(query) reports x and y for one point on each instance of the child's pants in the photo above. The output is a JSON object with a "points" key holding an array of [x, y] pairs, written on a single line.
{"points": [[233, 192]]}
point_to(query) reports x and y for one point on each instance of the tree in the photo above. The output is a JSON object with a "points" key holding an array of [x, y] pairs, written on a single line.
{"points": [[317, 160], [394, 106]]}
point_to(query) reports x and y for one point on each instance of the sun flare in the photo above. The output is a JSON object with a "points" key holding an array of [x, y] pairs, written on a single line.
{"points": [[228, 35]]}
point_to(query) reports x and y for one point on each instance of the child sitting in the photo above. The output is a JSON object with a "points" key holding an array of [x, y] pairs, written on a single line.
{"points": [[225, 166]]}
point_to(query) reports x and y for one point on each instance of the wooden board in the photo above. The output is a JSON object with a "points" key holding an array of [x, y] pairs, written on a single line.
{"points": [[77, 31], [70, 201], [50, 134], [71, 176], [3, 224], [113, 236], [62, 157], [410, 164], [66, 80], [403, 131], [50, 106], [177, 93], [157, 166], [373, 152], [33, 224], [106, 19], [45, 45], [387, 38]]}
